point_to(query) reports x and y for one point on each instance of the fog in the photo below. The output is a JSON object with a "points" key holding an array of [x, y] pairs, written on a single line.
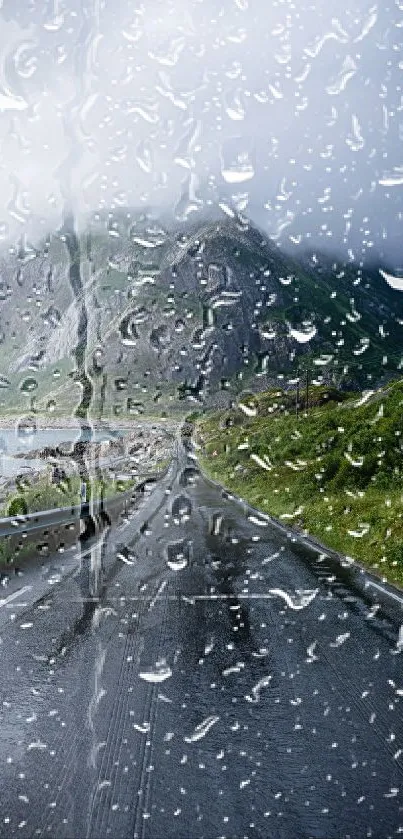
{"points": [[288, 112]]}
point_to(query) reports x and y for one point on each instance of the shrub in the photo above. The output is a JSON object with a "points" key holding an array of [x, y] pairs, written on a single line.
{"points": [[17, 506]]}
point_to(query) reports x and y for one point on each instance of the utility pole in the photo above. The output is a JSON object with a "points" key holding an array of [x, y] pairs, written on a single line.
{"points": [[297, 396], [306, 390]]}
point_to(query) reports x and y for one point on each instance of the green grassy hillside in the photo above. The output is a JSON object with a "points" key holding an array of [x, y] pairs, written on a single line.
{"points": [[334, 471]]}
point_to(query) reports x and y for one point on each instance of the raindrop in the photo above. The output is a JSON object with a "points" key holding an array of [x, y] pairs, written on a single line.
{"points": [[303, 335], [160, 337], [181, 508], [236, 161], [254, 696], [216, 524], [300, 600], [189, 476], [128, 330], [26, 428], [201, 730], [121, 384], [393, 280], [28, 385], [178, 555], [159, 673], [347, 71], [125, 555]]}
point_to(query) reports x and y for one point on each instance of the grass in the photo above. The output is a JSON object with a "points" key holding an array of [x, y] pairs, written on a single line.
{"points": [[41, 495], [335, 471], [53, 393]]}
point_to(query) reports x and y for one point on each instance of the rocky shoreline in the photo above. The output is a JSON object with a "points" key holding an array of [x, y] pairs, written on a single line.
{"points": [[44, 423], [140, 449]]}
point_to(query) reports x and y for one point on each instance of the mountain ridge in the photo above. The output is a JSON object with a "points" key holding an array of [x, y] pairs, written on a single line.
{"points": [[195, 313]]}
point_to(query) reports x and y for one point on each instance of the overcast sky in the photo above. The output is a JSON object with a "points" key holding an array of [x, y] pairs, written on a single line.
{"points": [[290, 112]]}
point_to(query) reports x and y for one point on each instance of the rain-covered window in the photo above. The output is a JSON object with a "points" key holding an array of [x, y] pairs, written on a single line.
{"points": [[201, 419]]}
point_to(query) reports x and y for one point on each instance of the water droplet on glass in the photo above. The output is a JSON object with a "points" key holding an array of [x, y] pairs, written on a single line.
{"points": [[159, 673], [178, 555], [202, 729], [236, 161]]}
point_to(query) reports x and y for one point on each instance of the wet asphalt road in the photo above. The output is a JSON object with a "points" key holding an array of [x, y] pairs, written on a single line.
{"points": [[224, 685]]}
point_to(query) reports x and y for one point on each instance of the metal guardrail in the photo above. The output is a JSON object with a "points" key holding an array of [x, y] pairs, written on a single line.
{"points": [[13, 525]]}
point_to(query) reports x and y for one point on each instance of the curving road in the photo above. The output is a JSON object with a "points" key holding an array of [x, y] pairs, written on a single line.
{"points": [[226, 684]]}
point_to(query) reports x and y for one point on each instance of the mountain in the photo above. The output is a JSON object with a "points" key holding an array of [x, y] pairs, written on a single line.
{"points": [[152, 315]]}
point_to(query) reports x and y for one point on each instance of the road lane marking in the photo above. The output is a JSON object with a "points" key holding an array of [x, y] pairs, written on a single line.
{"points": [[11, 597], [384, 591], [188, 598]]}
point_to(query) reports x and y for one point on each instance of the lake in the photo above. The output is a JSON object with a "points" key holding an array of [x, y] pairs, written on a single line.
{"points": [[12, 443]]}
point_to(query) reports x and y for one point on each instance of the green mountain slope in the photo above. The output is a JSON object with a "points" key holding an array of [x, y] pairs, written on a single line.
{"points": [[335, 470]]}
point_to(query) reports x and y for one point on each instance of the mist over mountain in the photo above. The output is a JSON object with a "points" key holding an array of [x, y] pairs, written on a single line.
{"points": [[287, 112], [194, 313]]}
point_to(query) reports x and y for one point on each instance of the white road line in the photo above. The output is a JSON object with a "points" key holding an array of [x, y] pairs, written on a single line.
{"points": [[189, 598], [384, 591], [11, 597]]}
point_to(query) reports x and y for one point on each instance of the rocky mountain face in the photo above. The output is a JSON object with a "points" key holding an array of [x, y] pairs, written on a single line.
{"points": [[158, 316]]}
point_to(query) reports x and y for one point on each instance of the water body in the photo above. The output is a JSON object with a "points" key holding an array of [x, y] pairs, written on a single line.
{"points": [[12, 444]]}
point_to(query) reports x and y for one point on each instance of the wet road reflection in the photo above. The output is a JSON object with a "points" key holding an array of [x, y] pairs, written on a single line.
{"points": [[223, 685]]}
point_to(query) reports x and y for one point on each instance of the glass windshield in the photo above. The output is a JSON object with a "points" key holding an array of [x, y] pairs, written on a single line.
{"points": [[201, 405]]}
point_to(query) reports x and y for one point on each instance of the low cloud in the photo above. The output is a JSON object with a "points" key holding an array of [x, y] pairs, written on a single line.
{"points": [[289, 113]]}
